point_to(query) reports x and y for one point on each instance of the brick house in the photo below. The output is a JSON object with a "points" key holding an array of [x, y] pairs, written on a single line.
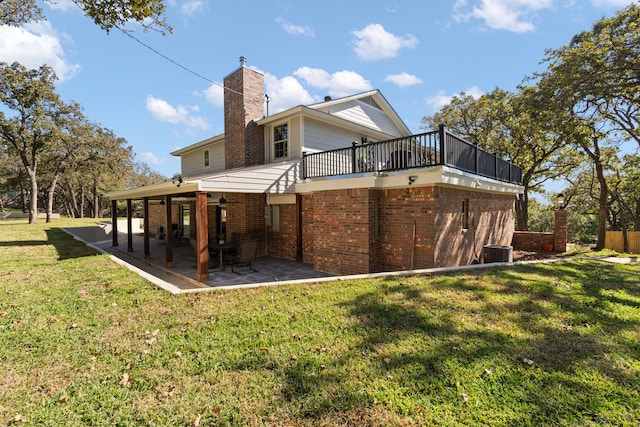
{"points": [[341, 184]]}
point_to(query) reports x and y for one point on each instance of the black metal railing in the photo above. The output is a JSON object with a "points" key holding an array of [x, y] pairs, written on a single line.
{"points": [[416, 151]]}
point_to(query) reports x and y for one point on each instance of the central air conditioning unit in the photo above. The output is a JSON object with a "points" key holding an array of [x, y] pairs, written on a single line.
{"points": [[498, 253]]}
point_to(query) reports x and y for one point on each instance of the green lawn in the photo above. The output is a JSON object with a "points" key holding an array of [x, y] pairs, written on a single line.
{"points": [[84, 341]]}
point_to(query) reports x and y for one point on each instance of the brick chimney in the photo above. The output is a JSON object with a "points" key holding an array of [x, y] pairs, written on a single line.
{"points": [[243, 103]]}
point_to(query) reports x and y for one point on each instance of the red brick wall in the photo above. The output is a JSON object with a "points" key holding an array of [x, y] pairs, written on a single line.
{"points": [[283, 243], [157, 216], [401, 210], [491, 221], [245, 214], [341, 228], [531, 241], [307, 228], [243, 103]]}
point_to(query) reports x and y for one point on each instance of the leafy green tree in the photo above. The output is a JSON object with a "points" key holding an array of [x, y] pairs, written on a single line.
{"points": [[30, 95], [597, 76], [515, 126], [107, 14]]}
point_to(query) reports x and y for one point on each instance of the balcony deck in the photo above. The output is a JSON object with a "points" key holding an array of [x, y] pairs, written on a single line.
{"points": [[423, 150]]}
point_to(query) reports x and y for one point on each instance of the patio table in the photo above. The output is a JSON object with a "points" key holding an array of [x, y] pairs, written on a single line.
{"points": [[221, 248]]}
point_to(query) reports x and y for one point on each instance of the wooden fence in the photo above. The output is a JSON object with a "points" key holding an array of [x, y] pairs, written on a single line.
{"points": [[614, 241]]}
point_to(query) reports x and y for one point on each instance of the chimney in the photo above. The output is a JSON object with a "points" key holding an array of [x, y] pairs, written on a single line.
{"points": [[243, 103]]}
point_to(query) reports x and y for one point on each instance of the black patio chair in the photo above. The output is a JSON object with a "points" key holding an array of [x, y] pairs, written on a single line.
{"points": [[246, 254]]}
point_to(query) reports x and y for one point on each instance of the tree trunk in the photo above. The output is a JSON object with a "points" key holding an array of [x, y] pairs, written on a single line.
{"points": [[51, 193], [522, 212], [96, 199], [73, 202], [33, 201], [82, 196], [602, 205]]}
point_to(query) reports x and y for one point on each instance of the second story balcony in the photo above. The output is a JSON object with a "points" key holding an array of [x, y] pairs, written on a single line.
{"points": [[436, 148]]}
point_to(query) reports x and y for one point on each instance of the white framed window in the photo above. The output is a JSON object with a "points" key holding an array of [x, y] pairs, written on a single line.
{"points": [[205, 158], [281, 141]]}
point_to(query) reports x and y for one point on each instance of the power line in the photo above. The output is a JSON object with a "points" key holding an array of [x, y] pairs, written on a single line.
{"points": [[132, 37]]}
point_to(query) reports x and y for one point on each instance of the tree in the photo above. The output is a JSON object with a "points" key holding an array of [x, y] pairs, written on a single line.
{"points": [[598, 73], [107, 14], [514, 126], [30, 95], [104, 163]]}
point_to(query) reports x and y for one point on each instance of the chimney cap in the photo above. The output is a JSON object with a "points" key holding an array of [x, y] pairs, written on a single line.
{"points": [[243, 61]]}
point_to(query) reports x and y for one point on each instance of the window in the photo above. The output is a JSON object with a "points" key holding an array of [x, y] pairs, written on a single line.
{"points": [[206, 158], [280, 141], [465, 214], [275, 217]]}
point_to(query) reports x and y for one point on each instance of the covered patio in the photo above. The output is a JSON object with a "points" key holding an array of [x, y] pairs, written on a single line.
{"points": [[183, 275]]}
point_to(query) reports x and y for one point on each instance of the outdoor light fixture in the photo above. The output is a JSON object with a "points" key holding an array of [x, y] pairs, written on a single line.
{"points": [[162, 202], [222, 200], [560, 201]]}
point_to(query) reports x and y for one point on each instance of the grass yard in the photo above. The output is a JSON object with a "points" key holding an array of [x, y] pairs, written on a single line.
{"points": [[84, 341]]}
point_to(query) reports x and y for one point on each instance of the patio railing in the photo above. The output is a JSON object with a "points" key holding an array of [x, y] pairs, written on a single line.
{"points": [[416, 151]]}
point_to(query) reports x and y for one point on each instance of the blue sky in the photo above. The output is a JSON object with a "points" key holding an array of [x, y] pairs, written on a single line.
{"points": [[418, 53]]}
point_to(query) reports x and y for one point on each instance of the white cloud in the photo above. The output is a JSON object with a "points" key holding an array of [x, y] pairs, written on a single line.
{"points": [[151, 159], [440, 99], [338, 84], [612, 3], [191, 7], [510, 15], [33, 45], [373, 42], [296, 30], [285, 93], [215, 95], [163, 111], [403, 79], [61, 4]]}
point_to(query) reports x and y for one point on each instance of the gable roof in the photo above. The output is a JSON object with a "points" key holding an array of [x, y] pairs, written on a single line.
{"points": [[334, 109]]}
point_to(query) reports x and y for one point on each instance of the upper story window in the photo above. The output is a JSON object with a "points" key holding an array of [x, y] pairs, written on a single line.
{"points": [[281, 141], [206, 158]]}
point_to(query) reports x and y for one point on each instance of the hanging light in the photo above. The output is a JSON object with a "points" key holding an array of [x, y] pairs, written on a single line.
{"points": [[222, 200], [162, 202]]}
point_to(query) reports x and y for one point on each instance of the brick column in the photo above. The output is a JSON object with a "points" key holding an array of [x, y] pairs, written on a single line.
{"points": [[560, 231]]}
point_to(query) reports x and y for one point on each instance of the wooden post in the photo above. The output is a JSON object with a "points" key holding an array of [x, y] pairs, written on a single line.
{"points": [[147, 251], [168, 235], [114, 223], [202, 238], [129, 230]]}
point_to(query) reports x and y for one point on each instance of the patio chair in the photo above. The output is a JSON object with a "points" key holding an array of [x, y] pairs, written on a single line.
{"points": [[246, 254], [160, 234]]}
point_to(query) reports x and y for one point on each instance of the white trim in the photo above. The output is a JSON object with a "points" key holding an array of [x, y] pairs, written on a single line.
{"points": [[442, 175]]}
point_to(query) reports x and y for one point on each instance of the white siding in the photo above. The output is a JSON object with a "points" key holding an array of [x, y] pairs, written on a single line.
{"points": [[321, 137], [364, 114], [193, 162]]}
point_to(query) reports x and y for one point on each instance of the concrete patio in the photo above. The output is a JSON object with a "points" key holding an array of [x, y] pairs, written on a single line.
{"points": [[181, 277]]}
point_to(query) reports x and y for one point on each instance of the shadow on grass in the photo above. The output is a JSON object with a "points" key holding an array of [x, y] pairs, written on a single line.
{"points": [[66, 246], [540, 342]]}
